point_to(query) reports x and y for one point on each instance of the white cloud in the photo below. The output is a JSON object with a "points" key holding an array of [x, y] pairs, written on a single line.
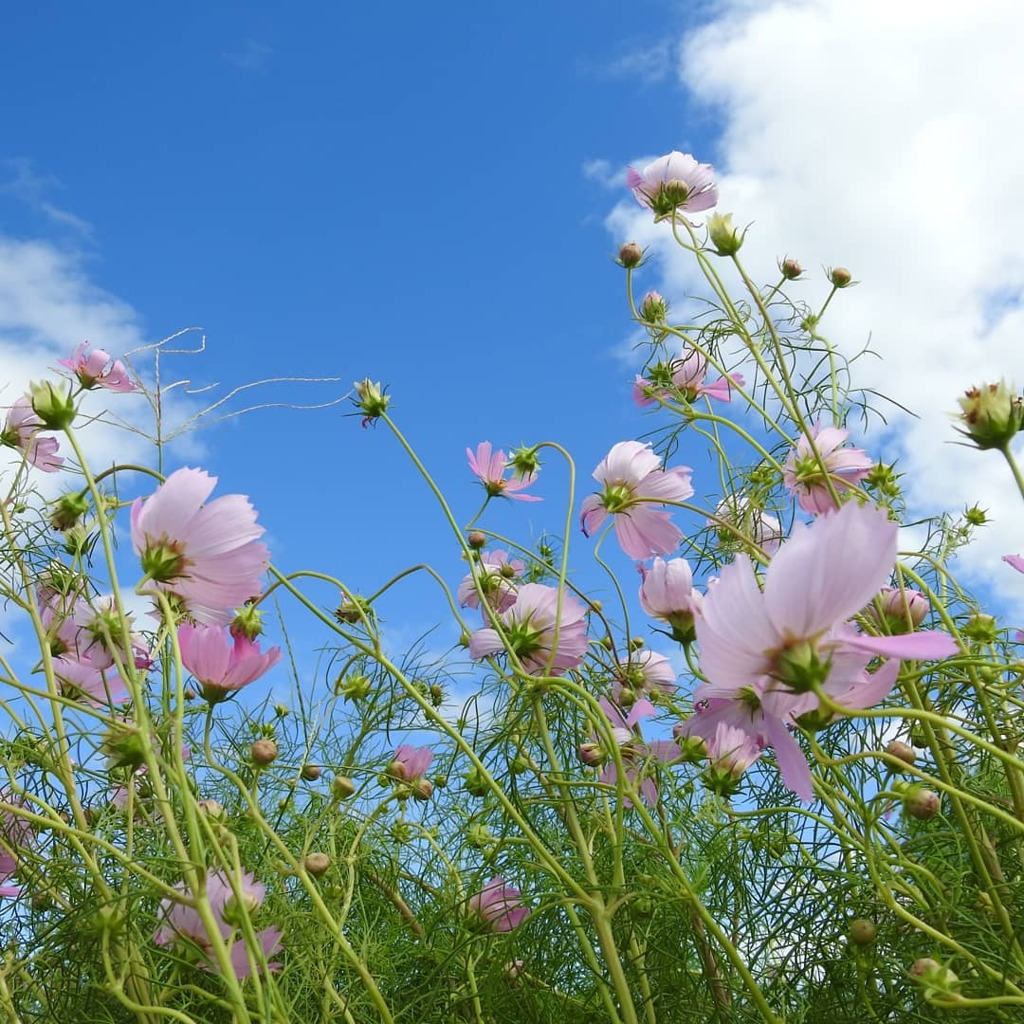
{"points": [[879, 136]]}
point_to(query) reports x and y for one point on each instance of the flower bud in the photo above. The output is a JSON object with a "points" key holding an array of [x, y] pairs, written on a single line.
{"points": [[630, 255], [653, 308], [422, 789], [935, 979], [316, 864], [982, 628], [724, 237], [370, 400], [354, 687], [921, 803], [898, 611], [991, 415], [791, 269], [475, 784], [342, 787], [311, 772], [840, 277], [247, 623], [212, 809], [53, 405], [862, 931], [476, 540], [903, 751], [263, 752], [67, 510], [591, 755]]}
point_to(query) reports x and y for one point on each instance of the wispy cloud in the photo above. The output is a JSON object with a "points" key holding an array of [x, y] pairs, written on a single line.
{"points": [[19, 179], [251, 56], [648, 63]]}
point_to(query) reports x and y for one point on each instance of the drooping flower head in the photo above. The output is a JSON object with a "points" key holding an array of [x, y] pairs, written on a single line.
{"points": [[546, 629], [683, 378], [491, 467], [803, 475], [633, 481], [21, 432], [98, 369], [736, 515], [667, 593], [498, 907], [674, 182], [497, 576], [206, 555], [221, 662]]}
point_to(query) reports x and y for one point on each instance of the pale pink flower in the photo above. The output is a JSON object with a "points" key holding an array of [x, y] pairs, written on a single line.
{"points": [[410, 763], [1015, 562], [546, 629], [802, 471], [633, 479], [21, 432], [498, 907], [93, 630], [732, 751], [206, 555], [763, 652], [635, 753], [490, 467], [643, 672], [497, 576], [97, 369], [683, 378], [674, 182], [181, 921], [667, 593], [222, 662]]}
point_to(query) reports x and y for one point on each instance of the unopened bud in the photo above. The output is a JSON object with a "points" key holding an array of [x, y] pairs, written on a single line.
{"points": [[422, 789], [316, 864], [591, 755], [653, 308], [903, 751], [922, 803], [991, 415], [311, 772], [630, 255], [476, 539], [263, 752], [840, 277], [791, 269], [863, 931], [726, 239], [53, 405], [212, 809], [342, 787]]}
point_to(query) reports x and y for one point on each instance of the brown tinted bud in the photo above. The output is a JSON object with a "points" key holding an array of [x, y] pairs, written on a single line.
{"points": [[630, 255], [791, 269], [316, 864], [342, 787], [922, 803], [423, 789], [263, 751], [904, 751], [311, 772], [476, 539], [840, 277]]}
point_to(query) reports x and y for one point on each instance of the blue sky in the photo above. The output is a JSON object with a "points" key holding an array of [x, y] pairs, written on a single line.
{"points": [[427, 195]]}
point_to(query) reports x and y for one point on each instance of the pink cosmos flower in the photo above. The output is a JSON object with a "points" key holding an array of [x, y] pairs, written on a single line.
{"points": [[206, 555], [222, 662], [683, 378], [803, 475], [1015, 561], [497, 576], [667, 593], [84, 680], [732, 751], [633, 479], [181, 921], [546, 629], [490, 468], [410, 763], [674, 182], [498, 907], [634, 752], [643, 671], [98, 370], [763, 652], [90, 630], [21, 432]]}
